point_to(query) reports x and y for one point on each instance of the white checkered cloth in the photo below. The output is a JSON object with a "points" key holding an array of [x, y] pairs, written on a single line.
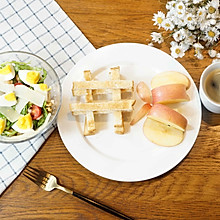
{"points": [[40, 27]]}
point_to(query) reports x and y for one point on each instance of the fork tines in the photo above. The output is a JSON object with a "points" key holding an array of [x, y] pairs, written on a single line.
{"points": [[39, 177]]}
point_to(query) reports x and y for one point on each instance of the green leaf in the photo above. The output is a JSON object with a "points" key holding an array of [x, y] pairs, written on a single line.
{"points": [[43, 76], [9, 133]]}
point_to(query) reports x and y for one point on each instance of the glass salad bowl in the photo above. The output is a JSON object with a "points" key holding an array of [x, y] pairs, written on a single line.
{"points": [[30, 99]]}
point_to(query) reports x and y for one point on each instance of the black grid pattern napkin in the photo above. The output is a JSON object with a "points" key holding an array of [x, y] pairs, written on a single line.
{"points": [[40, 27]]}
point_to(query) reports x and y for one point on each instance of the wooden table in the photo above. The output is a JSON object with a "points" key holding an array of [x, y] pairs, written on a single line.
{"points": [[189, 191]]}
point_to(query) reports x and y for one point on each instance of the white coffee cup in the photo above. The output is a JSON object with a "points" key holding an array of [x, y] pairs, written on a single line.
{"points": [[208, 101]]}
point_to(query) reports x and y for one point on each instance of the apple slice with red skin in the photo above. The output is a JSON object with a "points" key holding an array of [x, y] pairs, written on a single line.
{"points": [[167, 94], [143, 92], [141, 113], [164, 126], [168, 116], [170, 77]]}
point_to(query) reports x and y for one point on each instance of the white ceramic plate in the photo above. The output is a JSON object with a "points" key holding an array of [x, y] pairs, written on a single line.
{"points": [[129, 157]]}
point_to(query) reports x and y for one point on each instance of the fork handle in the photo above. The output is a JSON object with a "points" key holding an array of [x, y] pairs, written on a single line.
{"points": [[101, 206]]}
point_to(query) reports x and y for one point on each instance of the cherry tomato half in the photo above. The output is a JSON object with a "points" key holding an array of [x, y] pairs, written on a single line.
{"points": [[18, 84], [35, 112]]}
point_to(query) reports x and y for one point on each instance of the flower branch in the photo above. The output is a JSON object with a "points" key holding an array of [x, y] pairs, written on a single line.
{"points": [[192, 24]]}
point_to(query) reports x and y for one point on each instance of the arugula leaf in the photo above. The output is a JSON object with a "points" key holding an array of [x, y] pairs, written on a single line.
{"points": [[35, 122], [43, 76], [21, 66], [24, 111], [2, 116], [9, 133], [43, 118]]}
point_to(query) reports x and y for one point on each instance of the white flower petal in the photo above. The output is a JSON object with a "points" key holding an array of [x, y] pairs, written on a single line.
{"points": [[212, 53], [157, 37], [177, 51], [215, 60]]}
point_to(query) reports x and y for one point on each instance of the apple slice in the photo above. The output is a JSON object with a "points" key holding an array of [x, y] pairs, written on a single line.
{"points": [[172, 93], [170, 77], [143, 92], [162, 134], [168, 116], [141, 113]]}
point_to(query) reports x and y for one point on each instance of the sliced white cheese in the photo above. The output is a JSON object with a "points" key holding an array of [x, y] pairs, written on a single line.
{"points": [[20, 104], [6, 87], [33, 96], [10, 113]]}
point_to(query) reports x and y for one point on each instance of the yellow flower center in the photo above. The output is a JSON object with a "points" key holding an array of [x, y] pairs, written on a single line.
{"points": [[10, 97], [167, 25], [177, 51], [200, 13], [159, 20], [189, 18], [211, 34], [180, 7], [33, 77], [211, 10]]}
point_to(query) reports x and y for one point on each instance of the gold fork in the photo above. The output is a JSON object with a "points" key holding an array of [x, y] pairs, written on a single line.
{"points": [[48, 182]]}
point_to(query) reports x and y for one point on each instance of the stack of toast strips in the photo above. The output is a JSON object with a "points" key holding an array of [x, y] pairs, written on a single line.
{"points": [[117, 105]]}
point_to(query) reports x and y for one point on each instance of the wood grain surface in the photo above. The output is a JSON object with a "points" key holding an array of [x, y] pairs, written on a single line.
{"points": [[189, 191]]}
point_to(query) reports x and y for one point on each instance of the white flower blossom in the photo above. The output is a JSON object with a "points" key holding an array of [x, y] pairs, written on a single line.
{"points": [[213, 21], [185, 45], [171, 14], [177, 51], [180, 7], [158, 18], [151, 44], [198, 46], [178, 36], [190, 38], [181, 22], [184, 32], [157, 37], [167, 24], [196, 1], [212, 9], [191, 26], [170, 5], [212, 53], [173, 43], [190, 18], [201, 14], [193, 23], [199, 55], [215, 60], [212, 34]]}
